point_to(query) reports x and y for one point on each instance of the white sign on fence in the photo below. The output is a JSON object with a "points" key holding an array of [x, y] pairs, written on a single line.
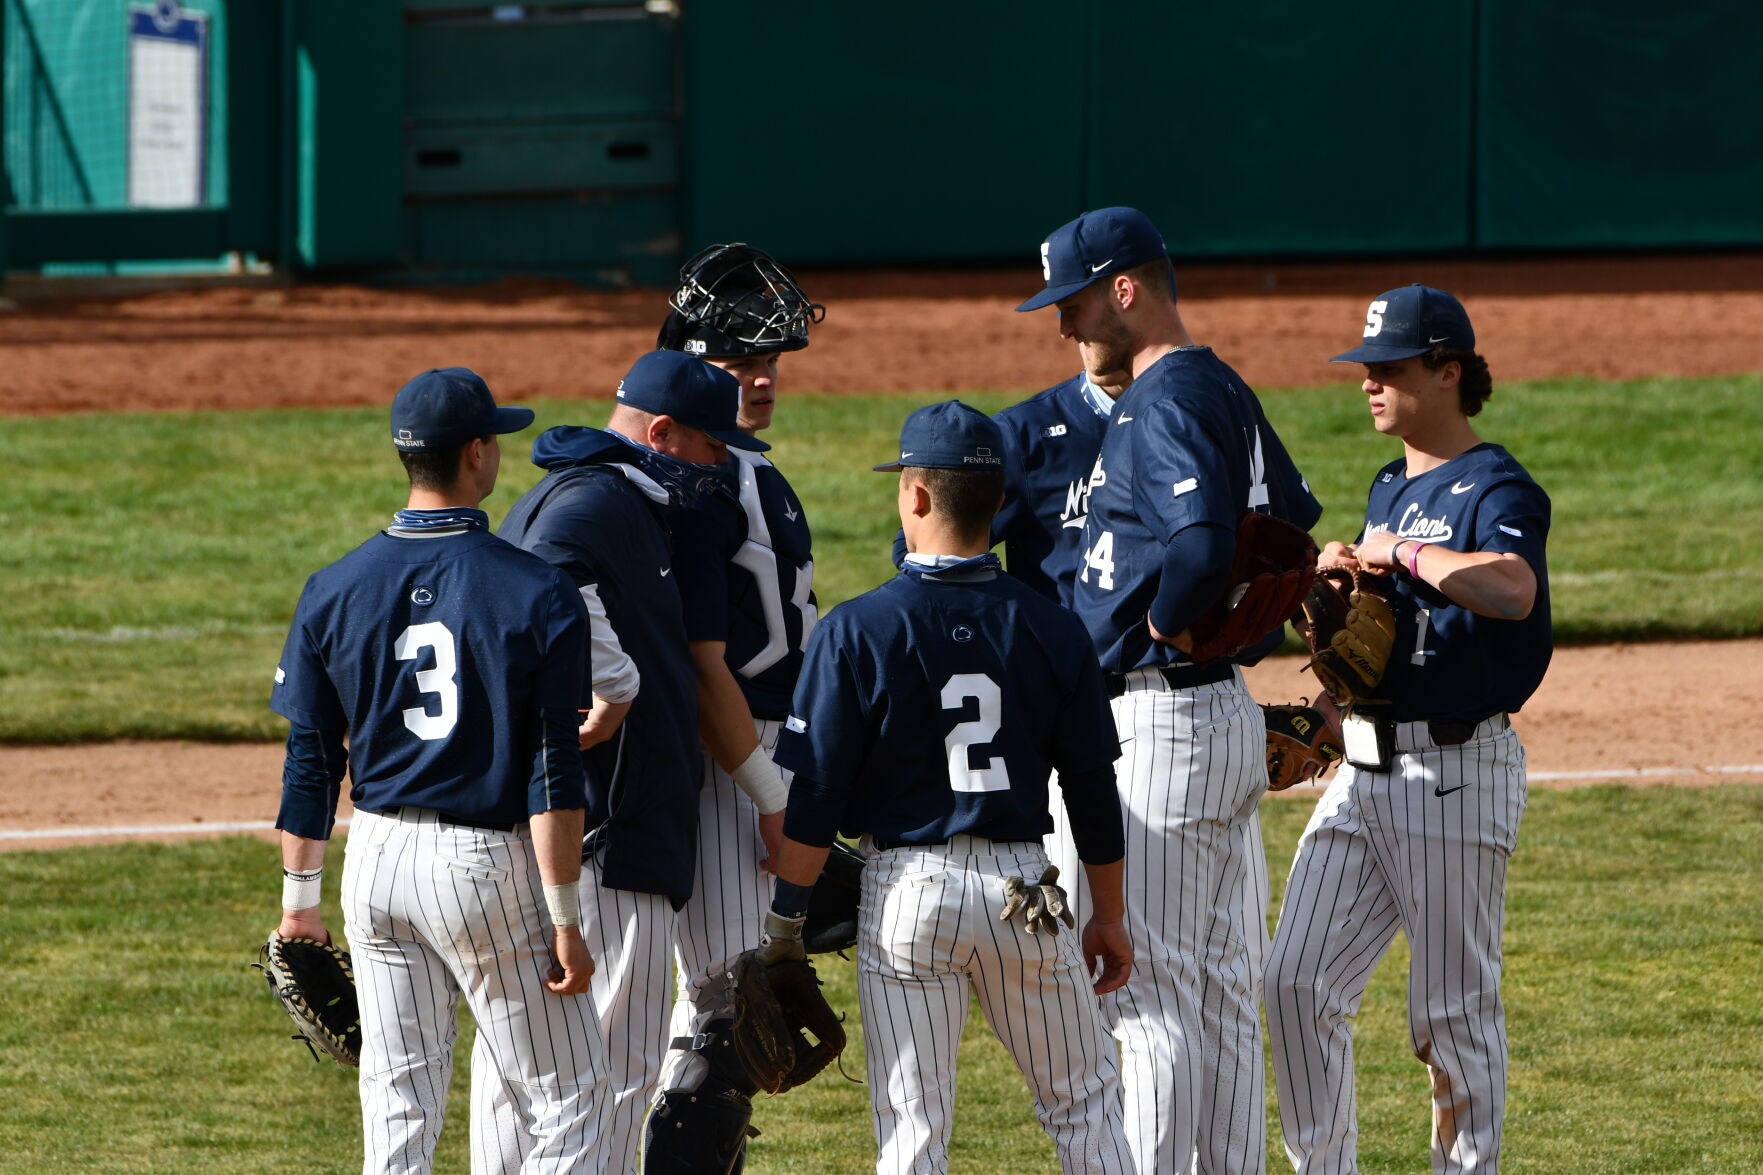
{"points": [[168, 106]]}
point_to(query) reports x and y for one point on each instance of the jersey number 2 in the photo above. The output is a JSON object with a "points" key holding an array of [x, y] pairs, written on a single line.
{"points": [[439, 680], [994, 776]]}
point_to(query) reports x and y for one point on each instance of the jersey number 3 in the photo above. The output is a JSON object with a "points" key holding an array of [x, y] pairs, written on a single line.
{"points": [[994, 776], [439, 680]]}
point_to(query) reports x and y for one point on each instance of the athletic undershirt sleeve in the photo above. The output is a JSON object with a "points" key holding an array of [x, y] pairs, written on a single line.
{"points": [[1092, 805], [1196, 571], [557, 779], [312, 777], [814, 812], [616, 678]]}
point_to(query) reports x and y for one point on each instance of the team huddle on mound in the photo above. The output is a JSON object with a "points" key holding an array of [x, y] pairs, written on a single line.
{"points": [[602, 760]]}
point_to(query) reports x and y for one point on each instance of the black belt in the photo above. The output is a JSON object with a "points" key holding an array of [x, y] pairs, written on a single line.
{"points": [[1179, 676], [1453, 734], [444, 818], [882, 844]]}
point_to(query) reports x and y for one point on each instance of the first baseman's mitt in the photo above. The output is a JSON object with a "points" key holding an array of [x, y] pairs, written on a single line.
{"points": [[832, 907], [316, 985], [1271, 571], [1300, 745], [774, 1003], [1351, 628]]}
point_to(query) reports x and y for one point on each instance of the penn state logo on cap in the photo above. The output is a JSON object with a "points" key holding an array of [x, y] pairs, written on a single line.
{"points": [[950, 435], [1410, 321], [693, 392], [445, 407], [1096, 245]]}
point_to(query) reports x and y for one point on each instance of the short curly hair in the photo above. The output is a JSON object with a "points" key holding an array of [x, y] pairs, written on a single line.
{"points": [[1474, 386]]}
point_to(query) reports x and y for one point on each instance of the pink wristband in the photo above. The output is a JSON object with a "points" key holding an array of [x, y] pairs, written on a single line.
{"points": [[1414, 558]]}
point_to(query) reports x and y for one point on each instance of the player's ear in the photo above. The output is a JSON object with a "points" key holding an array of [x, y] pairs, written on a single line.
{"points": [[659, 429]]}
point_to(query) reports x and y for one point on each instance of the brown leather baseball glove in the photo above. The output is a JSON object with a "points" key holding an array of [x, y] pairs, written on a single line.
{"points": [[1300, 745], [1351, 628]]}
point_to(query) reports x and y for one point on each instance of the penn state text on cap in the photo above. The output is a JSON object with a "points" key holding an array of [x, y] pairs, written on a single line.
{"points": [[949, 435], [1097, 244], [445, 407], [1411, 321], [693, 392]]}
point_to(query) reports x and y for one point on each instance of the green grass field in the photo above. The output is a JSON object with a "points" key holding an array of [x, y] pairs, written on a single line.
{"points": [[138, 1040], [153, 561]]}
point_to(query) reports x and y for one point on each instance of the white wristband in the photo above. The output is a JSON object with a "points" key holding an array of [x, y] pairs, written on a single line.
{"points": [[300, 891], [564, 903], [761, 780]]}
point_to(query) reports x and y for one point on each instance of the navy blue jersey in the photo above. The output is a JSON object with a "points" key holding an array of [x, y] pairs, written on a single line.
{"points": [[1188, 444], [595, 515], [1450, 663], [1052, 440], [938, 703], [439, 657], [747, 578]]}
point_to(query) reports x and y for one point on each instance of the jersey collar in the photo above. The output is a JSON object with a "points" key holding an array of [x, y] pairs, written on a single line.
{"points": [[1100, 402], [953, 567]]}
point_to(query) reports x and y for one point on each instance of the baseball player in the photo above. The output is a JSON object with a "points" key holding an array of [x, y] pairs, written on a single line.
{"points": [[928, 716], [1415, 830], [602, 512], [746, 576], [1187, 452], [452, 663], [1051, 441]]}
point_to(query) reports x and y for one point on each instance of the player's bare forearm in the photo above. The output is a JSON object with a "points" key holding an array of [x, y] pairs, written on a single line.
{"points": [[725, 724], [1499, 584], [601, 722], [1104, 935], [557, 844], [800, 864], [301, 854]]}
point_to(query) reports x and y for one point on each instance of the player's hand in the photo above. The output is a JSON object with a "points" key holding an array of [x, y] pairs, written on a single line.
{"points": [[782, 939], [1106, 942], [573, 965], [771, 835], [1337, 555], [601, 723], [303, 924], [1183, 640], [1378, 551]]}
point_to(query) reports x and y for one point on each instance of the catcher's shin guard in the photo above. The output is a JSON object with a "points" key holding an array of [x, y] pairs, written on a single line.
{"points": [[700, 1125]]}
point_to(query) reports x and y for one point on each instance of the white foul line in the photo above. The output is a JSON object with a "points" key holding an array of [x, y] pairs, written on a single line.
{"points": [[142, 830], [1636, 772]]}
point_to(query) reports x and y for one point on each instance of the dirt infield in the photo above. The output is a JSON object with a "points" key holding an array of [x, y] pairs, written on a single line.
{"points": [[1650, 713], [275, 346]]}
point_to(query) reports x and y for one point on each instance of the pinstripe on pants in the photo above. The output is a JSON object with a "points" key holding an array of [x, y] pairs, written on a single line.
{"points": [[731, 893], [1192, 769], [434, 910], [1384, 852], [629, 935], [927, 928]]}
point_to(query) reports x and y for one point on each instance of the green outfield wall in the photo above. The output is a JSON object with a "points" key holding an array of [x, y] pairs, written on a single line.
{"points": [[605, 140]]}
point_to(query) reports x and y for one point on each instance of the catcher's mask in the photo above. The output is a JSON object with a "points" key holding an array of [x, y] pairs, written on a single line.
{"points": [[735, 300]]}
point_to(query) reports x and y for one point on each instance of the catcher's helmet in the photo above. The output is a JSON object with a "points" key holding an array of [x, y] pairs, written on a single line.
{"points": [[735, 300]]}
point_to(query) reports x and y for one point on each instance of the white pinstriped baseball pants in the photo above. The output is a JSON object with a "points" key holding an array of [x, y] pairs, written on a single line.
{"points": [[435, 910], [1218, 1098], [1384, 851], [927, 928], [629, 935], [731, 893], [1191, 771]]}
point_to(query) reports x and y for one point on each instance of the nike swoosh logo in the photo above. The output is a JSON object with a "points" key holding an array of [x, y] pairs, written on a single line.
{"points": [[1122, 419], [664, 572], [1101, 267], [1438, 340], [1441, 790], [1460, 488], [1078, 521]]}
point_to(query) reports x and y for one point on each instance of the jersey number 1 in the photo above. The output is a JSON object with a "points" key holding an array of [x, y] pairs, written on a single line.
{"points": [[439, 680], [994, 776]]}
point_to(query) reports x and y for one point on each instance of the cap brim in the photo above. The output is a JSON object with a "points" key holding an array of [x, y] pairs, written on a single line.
{"points": [[894, 468], [1052, 294], [1379, 353], [512, 419], [734, 438]]}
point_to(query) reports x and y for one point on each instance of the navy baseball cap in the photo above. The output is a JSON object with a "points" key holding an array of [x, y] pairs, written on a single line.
{"points": [[1096, 244], [1411, 321], [949, 435], [448, 406], [693, 392]]}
